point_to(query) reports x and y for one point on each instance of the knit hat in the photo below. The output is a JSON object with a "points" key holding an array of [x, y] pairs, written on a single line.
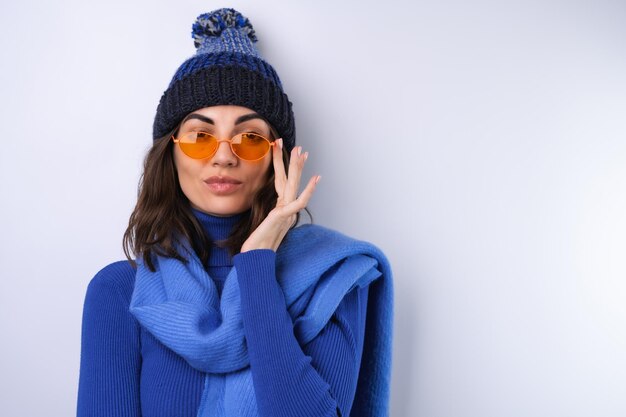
{"points": [[226, 69]]}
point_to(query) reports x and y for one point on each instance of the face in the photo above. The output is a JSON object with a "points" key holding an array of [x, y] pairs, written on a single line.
{"points": [[199, 178]]}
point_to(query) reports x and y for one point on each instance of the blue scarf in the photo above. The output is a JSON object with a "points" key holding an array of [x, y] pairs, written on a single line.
{"points": [[315, 267]]}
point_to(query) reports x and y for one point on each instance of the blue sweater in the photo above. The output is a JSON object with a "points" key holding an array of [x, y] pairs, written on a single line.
{"points": [[125, 371]]}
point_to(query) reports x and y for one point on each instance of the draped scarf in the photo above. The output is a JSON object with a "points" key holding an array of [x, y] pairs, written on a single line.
{"points": [[315, 267]]}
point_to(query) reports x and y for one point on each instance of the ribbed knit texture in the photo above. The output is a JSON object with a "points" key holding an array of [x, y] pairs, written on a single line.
{"points": [[125, 371]]}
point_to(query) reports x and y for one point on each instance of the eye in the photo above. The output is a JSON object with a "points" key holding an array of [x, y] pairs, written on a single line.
{"points": [[253, 137], [203, 136], [196, 136]]}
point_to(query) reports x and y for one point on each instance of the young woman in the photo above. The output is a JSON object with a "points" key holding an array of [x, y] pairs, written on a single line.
{"points": [[229, 309]]}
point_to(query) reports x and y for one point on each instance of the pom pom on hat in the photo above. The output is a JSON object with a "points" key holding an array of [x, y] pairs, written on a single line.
{"points": [[213, 23]]}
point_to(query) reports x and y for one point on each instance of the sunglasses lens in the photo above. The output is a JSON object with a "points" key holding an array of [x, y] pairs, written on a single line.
{"points": [[198, 144], [250, 146]]}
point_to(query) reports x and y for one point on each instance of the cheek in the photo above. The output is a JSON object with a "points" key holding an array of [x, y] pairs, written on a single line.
{"points": [[185, 168], [258, 174]]}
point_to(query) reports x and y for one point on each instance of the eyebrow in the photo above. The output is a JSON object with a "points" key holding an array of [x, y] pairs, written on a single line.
{"points": [[239, 120]]}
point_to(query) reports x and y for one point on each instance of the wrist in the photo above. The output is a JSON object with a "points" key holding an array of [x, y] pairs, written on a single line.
{"points": [[261, 246]]}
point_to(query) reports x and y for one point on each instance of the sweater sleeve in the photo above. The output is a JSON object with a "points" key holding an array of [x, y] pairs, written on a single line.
{"points": [[110, 358], [318, 379]]}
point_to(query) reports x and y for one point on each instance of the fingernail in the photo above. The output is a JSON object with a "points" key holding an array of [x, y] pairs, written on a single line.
{"points": [[299, 150], [319, 177], [306, 155], [280, 142]]}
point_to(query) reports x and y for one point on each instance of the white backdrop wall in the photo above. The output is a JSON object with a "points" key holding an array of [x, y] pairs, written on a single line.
{"points": [[480, 144]]}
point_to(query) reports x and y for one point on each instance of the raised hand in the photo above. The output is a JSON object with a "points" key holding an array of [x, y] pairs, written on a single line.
{"points": [[273, 229]]}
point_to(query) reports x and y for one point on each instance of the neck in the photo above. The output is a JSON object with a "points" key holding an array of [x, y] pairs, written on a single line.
{"points": [[217, 228]]}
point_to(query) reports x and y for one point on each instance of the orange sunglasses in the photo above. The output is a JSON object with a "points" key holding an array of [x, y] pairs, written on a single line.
{"points": [[248, 146]]}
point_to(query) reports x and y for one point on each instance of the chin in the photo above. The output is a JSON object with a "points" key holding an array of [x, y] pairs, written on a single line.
{"points": [[223, 209]]}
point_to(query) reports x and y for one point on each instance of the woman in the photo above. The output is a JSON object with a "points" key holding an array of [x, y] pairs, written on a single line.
{"points": [[228, 308]]}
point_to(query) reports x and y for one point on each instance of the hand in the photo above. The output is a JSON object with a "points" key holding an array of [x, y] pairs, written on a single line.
{"points": [[275, 226]]}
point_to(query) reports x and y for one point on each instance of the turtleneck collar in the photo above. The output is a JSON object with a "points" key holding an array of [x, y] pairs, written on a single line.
{"points": [[217, 228]]}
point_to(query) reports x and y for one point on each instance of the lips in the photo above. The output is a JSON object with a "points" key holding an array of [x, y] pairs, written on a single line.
{"points": [[222, 180], [222, 186]]}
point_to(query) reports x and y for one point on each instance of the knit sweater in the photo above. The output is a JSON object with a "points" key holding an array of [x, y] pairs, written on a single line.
{"points": [[125, 371]]}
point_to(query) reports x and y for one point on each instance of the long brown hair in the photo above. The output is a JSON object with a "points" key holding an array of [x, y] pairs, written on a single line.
{"points": [[163, 215]]}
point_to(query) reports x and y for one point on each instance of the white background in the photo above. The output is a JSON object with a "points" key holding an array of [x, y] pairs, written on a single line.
{"points": [[480, 144]]}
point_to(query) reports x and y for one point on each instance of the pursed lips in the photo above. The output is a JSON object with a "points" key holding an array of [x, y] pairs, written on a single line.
{"points": [[222, 185], [222, 180]]}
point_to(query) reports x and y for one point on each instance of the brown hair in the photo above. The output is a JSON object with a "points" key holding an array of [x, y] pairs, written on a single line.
{"points": [[162, 215]]}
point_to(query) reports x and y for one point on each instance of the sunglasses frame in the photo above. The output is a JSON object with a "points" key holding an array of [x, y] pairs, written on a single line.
{"points": [[230, 141]]}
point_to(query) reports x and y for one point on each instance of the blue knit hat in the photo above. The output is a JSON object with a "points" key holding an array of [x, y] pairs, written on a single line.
{"points": [[226, 69]]}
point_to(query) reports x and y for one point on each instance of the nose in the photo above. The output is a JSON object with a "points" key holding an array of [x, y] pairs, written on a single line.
{"points": [[224, 156]]}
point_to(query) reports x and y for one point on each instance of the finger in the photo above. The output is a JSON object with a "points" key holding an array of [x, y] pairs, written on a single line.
{"points": [[305, 196], [295, 172], [280, 178]]}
